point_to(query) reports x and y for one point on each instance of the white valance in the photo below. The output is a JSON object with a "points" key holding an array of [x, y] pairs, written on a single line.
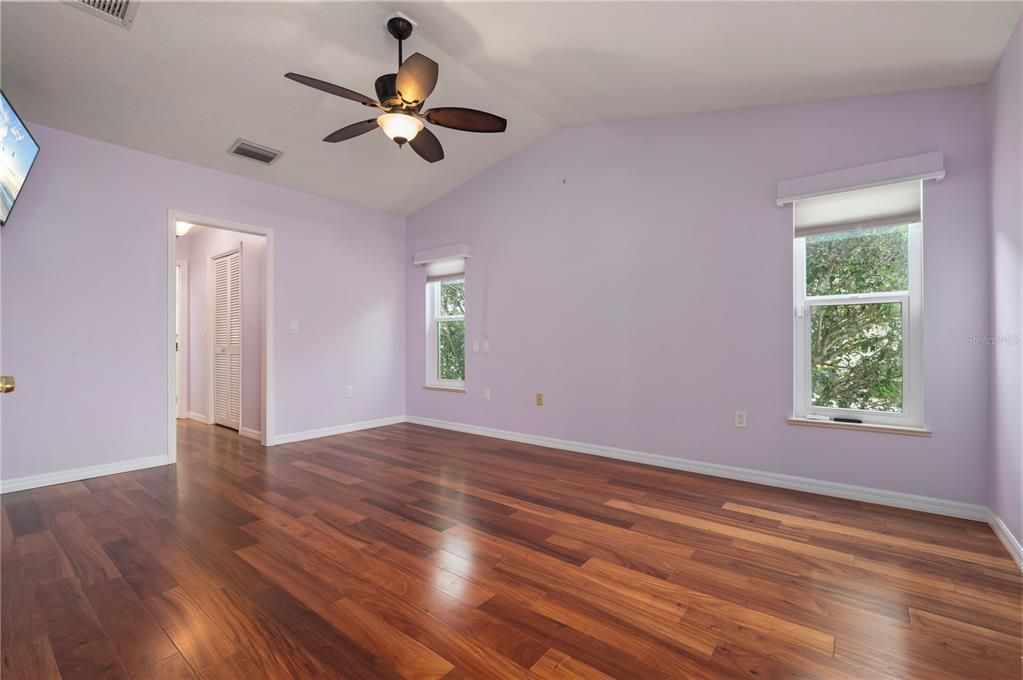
{"points": [[873, 195], [443, 263], [920, 167]]}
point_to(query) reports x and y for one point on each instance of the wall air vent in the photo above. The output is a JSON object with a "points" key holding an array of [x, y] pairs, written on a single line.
{"points": [[247, 149], [120, 12]]}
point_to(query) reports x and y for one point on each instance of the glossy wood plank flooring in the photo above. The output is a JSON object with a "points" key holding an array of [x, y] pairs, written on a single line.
{"points": [[409, 552]]}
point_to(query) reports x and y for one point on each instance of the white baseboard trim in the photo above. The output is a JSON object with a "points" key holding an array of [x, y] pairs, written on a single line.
{"points": [[338, 429], [1005, 536], [50, 478], [896, 499], [250, 433], [192, 415]]}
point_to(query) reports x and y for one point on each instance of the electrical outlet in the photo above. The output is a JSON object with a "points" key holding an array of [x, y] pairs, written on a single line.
{"points": [[486, 393], [475, 345], [349, 392], [539, 398], [740, 419]]}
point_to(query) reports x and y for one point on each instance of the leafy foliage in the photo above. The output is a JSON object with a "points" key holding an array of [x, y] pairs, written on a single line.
{"points": [[856, 355], [856, 349], [451, 334], [869, 261]]}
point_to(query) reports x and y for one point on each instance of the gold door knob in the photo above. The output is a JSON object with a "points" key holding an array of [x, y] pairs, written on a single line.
{"points": [[6, 384]]}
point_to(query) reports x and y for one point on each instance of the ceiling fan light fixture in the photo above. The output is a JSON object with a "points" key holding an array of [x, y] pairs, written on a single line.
{"points": [[400, 127], [402, 96]]}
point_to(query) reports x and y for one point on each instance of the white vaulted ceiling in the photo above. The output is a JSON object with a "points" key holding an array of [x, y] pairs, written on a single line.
{"points": [[187, 79]]}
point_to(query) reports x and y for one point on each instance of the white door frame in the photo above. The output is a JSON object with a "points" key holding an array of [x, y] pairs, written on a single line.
{"points": [[182, 358], [173, 216]]}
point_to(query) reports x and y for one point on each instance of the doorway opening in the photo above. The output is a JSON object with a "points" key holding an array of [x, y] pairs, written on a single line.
{"points": [[220, 367]]}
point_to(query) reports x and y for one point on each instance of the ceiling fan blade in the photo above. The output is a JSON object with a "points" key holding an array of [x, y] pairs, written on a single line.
{"points": [[470, 120], [353, 130], [332, 88], [416, 78], [427, 146]]}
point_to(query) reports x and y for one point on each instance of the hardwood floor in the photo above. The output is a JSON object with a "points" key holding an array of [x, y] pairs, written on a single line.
{"points": [[409, 552]]}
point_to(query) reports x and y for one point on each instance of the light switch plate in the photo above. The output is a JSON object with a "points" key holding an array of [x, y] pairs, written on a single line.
{"points": [[293, 328], [349, 392]]}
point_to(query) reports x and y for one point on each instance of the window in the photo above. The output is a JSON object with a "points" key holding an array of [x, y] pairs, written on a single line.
{"points": [[445, 314], [858, 320], [445, 304]]}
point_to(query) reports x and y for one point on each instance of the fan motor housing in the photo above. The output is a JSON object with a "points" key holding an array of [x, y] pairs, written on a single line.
{"points": [[387, 91]]}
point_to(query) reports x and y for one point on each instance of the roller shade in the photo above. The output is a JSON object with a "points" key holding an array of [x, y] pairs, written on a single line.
{"points": [[445, 269], [443, 263], [860, 209]]}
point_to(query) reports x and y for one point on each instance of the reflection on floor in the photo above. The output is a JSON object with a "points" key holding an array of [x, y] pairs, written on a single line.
{"points": [[410, 552]]}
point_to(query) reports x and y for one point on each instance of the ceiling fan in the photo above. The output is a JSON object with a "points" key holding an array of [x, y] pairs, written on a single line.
{"points": [[402, 96]]}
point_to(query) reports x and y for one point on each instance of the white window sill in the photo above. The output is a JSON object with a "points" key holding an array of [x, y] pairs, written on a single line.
{"points": [[444, 388], [865, 427]]}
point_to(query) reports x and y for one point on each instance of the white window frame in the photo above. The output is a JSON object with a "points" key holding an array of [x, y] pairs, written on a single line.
{"points": [[433, 321], [912, 339]]}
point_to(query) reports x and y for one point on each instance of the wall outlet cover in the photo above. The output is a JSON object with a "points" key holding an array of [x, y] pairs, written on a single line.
{"points": [[539, 398]]}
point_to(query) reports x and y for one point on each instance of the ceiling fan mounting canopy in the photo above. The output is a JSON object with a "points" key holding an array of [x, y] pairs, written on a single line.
{"points": [[399, 27], [401, 97]]}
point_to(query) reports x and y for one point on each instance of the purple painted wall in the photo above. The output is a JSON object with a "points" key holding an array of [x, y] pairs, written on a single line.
{"points": [[85, 303], [196, 248], [639, 274], [1005, 106]]}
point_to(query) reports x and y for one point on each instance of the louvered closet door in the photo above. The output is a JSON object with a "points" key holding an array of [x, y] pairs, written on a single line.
{"points": [[227, 339]]}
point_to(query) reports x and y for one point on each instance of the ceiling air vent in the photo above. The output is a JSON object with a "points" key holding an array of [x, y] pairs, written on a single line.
{"points": [[255, 152], [120, 12]]}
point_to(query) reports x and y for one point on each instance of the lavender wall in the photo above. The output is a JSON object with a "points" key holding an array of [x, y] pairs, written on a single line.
{"points": [[639, 275], [196, 248], [85, 303], [1005, 106]]}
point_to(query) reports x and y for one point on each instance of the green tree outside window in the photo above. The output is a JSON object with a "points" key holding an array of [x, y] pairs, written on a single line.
{"points": [[856, 350], [451, 332]]}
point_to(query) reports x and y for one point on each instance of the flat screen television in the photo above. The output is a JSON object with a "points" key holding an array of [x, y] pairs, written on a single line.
{"points": [[18, 151]]}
